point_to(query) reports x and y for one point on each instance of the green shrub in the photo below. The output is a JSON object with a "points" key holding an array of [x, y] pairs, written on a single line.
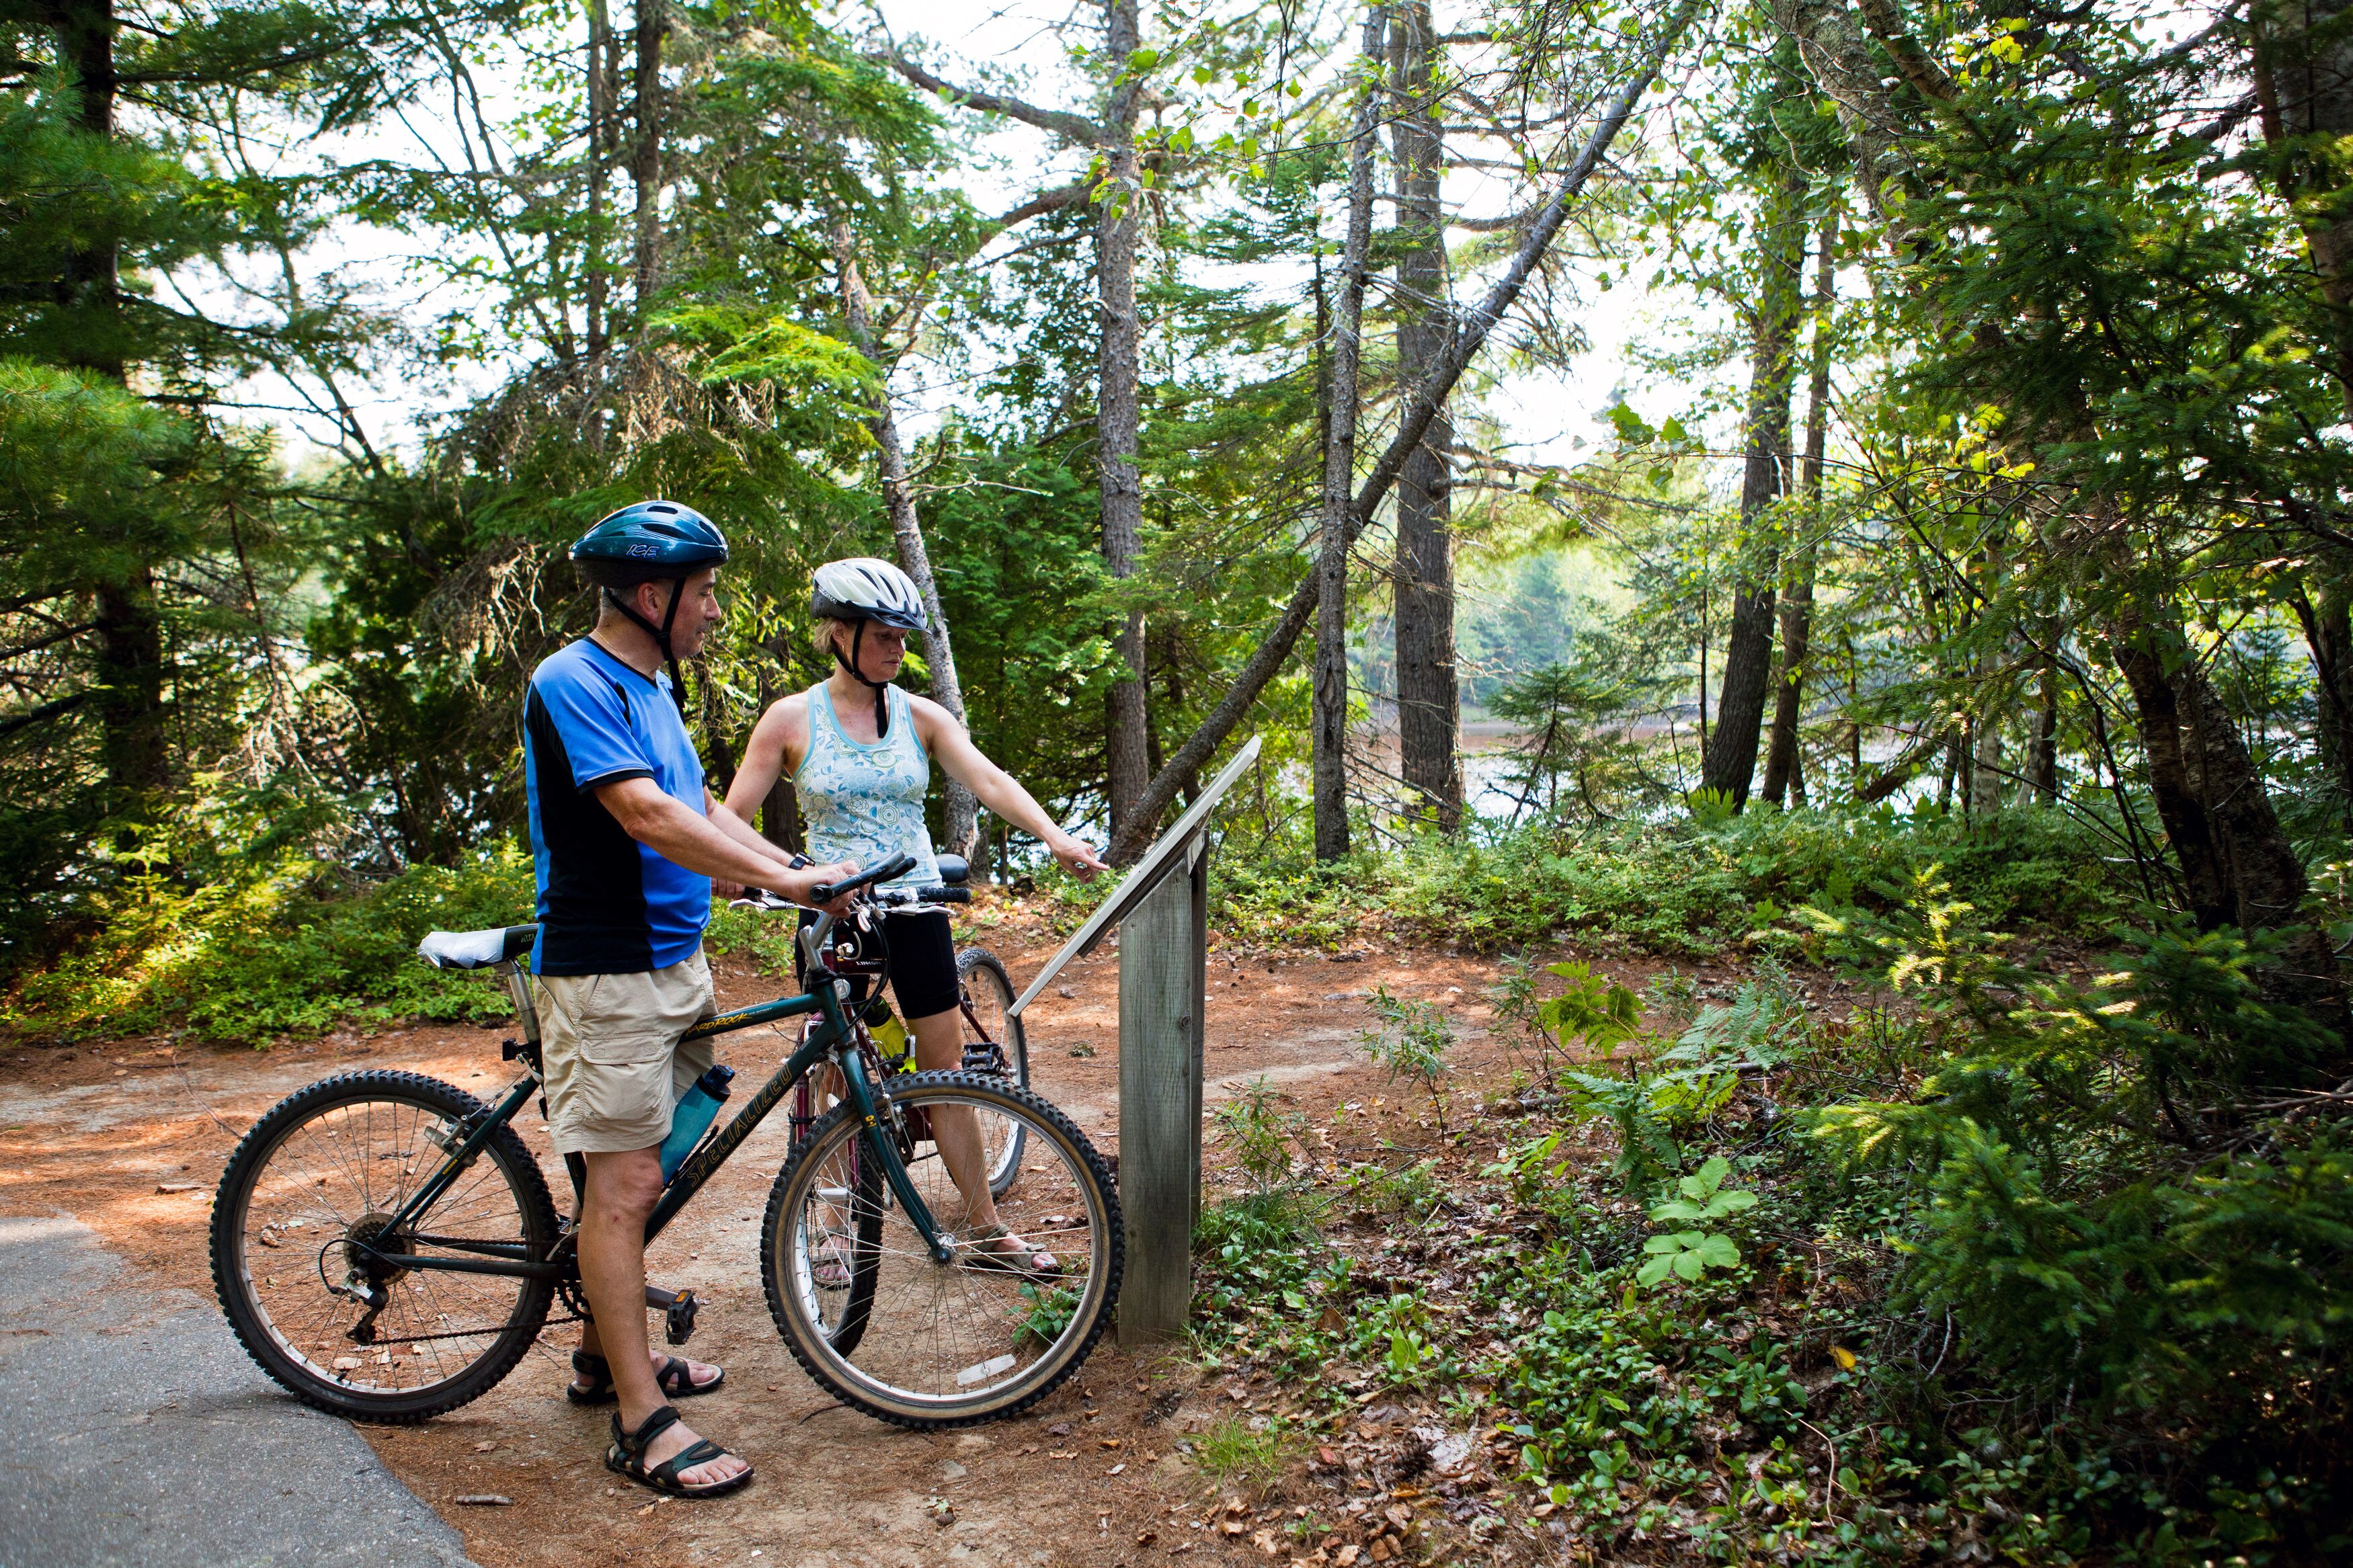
{"points": [[283, 953]]}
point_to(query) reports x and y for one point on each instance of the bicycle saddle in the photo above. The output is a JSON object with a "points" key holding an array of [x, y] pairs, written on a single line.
{"points": [[476, 949], [954, 869]]}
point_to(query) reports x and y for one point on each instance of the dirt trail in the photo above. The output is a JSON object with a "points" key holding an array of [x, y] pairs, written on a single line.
{"points": [[130, 1136]]}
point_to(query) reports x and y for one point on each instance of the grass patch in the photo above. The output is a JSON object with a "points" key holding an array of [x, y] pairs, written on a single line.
{"points": [[1250, 1453]]}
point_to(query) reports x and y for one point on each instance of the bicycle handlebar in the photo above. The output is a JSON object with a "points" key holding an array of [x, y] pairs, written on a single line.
{"points": [[897, 866], [935, 895]]}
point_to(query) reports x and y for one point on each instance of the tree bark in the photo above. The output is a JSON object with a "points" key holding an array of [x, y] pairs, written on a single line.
{"points": [[2303, 69], [131, 678], [1118, 415], [1268, 658], [2042, 766], [1428, 696], [1340, 391], [960, 811], [2329, 634], [1783, 772], [780, 818], [129, 628], [646, 158], [1729, 762], [600, 115]]}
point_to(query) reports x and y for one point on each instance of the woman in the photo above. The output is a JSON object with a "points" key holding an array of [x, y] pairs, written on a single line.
{"points": [[860, 753]]}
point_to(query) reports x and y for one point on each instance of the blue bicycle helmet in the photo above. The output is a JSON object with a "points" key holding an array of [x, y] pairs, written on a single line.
{"points": [[652, 541]]}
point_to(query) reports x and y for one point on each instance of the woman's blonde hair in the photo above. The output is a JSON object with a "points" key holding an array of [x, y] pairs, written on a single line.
{"points": [[823, 632]]}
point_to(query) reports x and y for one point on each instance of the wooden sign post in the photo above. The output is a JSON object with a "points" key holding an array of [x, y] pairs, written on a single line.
{"points": [[1163, 973], [1163, 956]]}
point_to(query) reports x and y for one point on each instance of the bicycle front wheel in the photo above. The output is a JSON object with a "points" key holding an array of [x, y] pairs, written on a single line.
{"points": [[973, 1339], [307, 1203]]}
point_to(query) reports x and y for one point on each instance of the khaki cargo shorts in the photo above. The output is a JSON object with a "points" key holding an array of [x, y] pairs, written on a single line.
{"points": [[610, 1046]]}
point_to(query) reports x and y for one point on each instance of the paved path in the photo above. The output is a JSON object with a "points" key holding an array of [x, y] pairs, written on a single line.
{"points": [[140, 1434]]}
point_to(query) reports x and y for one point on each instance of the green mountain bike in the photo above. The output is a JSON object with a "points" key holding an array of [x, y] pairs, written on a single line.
{"points": [[385, 1246]]}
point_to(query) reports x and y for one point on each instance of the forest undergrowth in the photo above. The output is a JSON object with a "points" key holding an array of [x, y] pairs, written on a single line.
{"points": [[1942, 1278], [214, 927]]}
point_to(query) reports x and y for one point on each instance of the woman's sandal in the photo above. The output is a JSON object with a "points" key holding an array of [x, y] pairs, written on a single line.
{"points": [[676, 1380], [626, 1459], [980, 1252]]}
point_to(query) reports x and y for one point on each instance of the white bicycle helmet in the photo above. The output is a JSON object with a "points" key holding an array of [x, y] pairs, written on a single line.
{"points": [[864, 589], [859, 590]]}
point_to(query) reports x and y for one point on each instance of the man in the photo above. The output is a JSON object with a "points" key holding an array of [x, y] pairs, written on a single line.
{"points": [[625, 845]]}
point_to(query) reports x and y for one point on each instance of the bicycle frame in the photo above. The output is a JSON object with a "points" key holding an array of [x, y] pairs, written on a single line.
{"points": [[824, 997]]}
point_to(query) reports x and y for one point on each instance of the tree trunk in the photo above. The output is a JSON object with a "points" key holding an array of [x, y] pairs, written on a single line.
{"points": [[1429, 698], [1783, 769], [960, 811], [1268, 658], [2042, 766], [2329, 634], [129, 628], [1331, 695], [130, 677], [600, 115], [1729, 761], [2303, 70], [646, 158], [1117, 416], [780, 818], [1986, 769]]}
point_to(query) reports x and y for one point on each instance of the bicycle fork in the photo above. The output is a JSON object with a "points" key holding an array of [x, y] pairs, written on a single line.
{"points": [[862, 1100]]}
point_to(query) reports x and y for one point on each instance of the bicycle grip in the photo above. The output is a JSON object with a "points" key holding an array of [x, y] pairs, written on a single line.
{"points": [[897, 866]]}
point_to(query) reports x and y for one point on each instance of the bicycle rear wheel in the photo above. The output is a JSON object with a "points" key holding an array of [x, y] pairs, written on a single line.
{"points": [[989, 1020], [329, 1166], [948, 1344]]}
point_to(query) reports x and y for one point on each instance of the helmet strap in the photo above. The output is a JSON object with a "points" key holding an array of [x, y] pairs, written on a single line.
{"points": [[660, 633], [848, 661]]}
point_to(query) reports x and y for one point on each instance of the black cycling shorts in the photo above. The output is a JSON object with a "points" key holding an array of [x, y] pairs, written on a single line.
{"points": [[922, 963]]}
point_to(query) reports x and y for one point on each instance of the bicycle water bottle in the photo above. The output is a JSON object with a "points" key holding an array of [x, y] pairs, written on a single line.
{"points": [[890, 1036], [697, 1109]]}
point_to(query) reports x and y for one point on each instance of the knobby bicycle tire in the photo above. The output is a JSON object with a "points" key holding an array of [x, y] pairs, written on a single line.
{"points": [[247, 1317], [824, 1357]]}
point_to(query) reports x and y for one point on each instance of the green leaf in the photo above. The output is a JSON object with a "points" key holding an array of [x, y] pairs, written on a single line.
{"points": [[1689, 1264], [1716, 1252], [1655, 1270]]}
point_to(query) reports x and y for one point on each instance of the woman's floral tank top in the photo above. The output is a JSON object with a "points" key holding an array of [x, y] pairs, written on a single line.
{"points": [[865, 803]]}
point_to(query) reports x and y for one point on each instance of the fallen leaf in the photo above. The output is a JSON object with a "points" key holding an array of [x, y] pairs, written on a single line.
{"points": [[1348, 1556], [1146, 1537], [493, 1499], [1108, 1442], [484, 1447], [199, 1186], [1265, 1543], [1059, 1429], [1234, 1526], [1329, 1455], [1843, 1356]]}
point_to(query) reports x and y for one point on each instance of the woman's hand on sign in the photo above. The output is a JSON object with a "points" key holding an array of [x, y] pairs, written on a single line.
{"points": [[1075, 857]]}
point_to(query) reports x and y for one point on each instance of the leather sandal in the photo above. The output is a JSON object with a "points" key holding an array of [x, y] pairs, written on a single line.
{"points": [[980, 1252], [676, 1380], [627, 1459]]}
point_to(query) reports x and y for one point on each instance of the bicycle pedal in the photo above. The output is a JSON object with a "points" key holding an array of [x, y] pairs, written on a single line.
{"points": [[678, 1309]]}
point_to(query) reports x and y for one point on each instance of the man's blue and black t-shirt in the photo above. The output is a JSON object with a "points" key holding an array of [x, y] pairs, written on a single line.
{"points": [[607, 905]]}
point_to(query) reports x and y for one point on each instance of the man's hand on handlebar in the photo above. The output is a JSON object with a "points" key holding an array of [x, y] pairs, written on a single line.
{"points": [[801, 886]]}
